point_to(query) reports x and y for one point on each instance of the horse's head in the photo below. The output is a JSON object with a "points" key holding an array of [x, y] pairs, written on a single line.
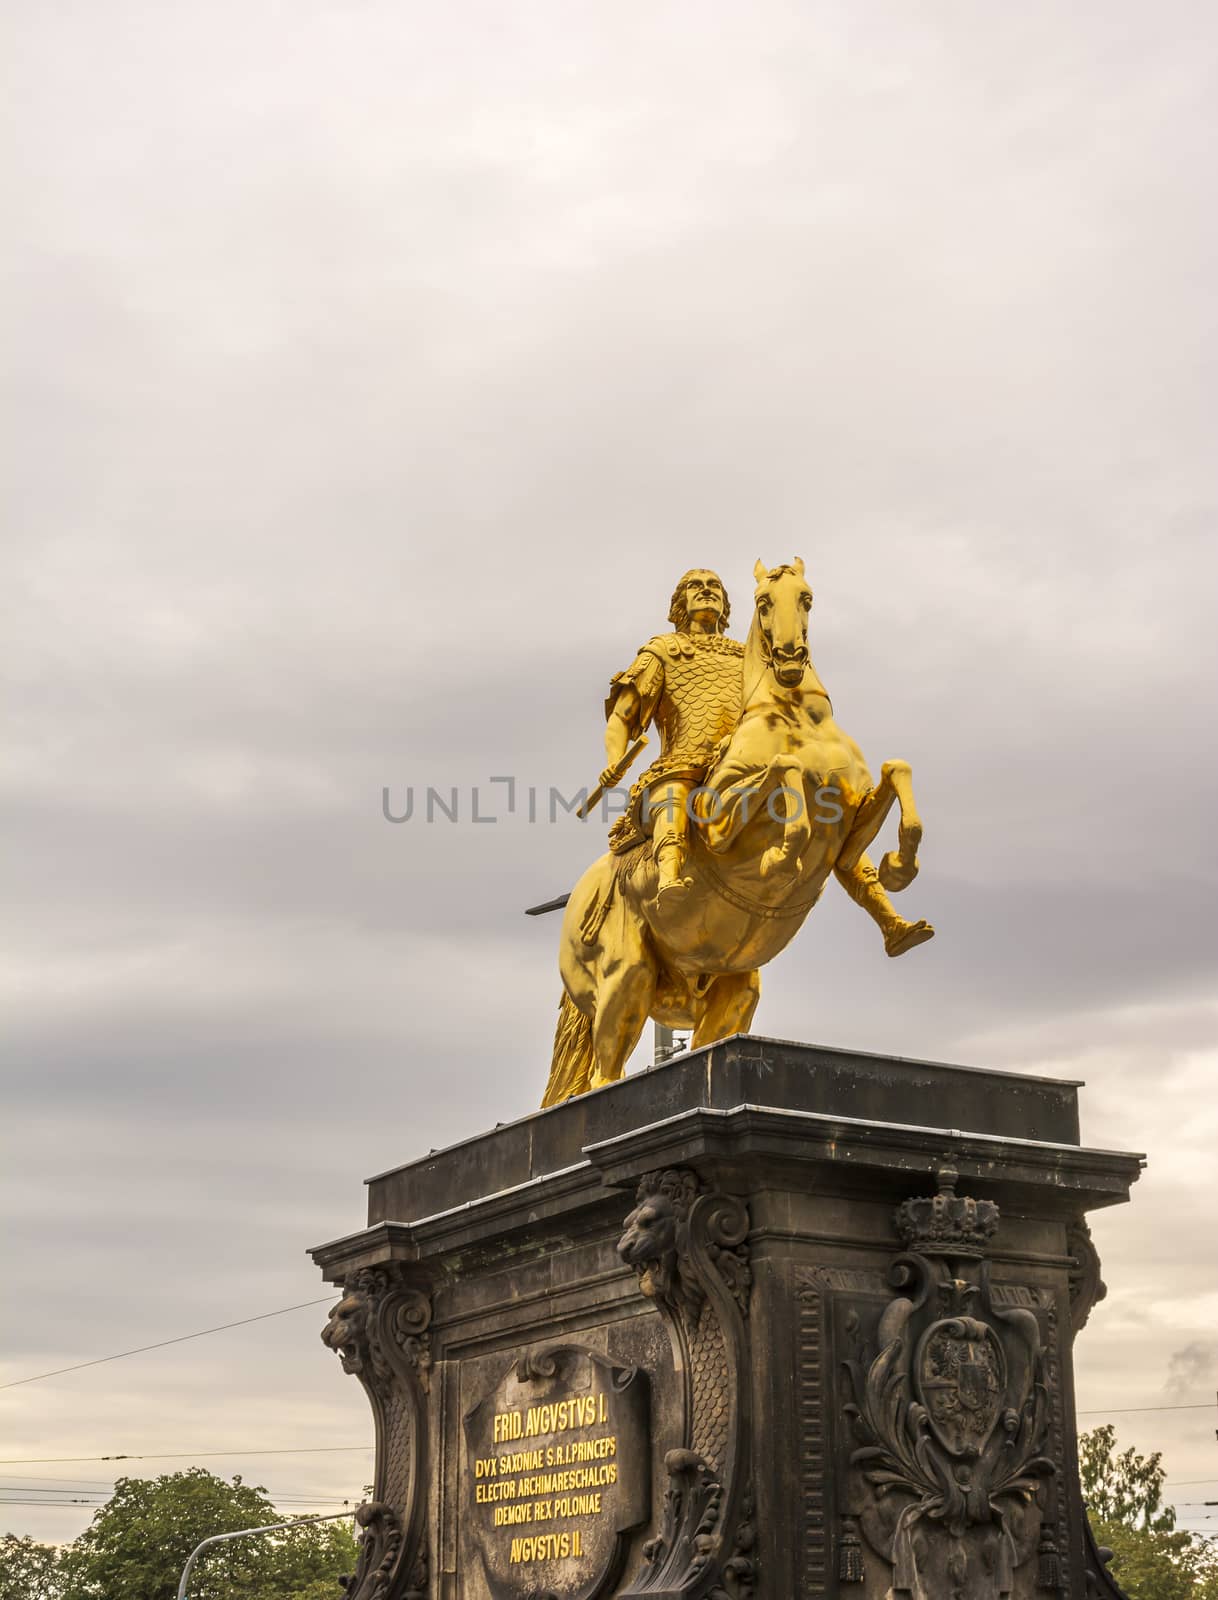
{"points": [[783, 601]]}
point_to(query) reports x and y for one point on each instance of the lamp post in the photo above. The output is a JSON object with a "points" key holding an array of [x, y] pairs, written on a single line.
{"points": [[247, 1533]]}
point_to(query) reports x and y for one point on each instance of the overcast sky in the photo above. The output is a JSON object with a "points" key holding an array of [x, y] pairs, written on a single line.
{"points": [[374, 370]]}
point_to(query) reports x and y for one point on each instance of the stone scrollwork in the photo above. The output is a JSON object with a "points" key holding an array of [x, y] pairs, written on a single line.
{"points": [[379, 1330], [1087, 1287], [1101, 1585], [689, 1248], [952, 1419]]}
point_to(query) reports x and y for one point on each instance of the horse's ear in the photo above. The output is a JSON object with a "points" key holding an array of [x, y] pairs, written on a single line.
{"points": [[759, 570], [799, 566]]}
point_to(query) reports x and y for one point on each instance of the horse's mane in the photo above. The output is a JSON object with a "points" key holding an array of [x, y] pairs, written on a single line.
{"points": [[756, 662]]}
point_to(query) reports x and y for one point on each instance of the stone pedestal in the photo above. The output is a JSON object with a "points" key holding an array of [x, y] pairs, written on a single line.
{"points": [[769, 1320]]}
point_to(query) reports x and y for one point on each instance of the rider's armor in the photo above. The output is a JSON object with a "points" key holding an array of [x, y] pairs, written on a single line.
{"points": [[690, 685]]}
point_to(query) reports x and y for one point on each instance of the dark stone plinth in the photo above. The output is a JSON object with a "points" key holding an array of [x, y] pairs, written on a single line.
{"points": [[769, 1320]]}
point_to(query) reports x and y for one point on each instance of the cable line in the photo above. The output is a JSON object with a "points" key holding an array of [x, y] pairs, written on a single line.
{"points": [[1120, 1411], [161, 1343], [189, 1455]]}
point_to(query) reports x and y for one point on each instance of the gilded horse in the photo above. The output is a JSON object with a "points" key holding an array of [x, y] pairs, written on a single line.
{"points": [[788, 802]]}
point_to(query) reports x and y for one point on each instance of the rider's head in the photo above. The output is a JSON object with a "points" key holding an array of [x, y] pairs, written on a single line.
{"points": [[700, 594]]}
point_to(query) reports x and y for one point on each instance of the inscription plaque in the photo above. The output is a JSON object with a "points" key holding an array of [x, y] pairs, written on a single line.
{"points": [[557, 1473]]}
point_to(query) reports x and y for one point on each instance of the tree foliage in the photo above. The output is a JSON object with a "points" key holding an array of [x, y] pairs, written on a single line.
{"points": [[1151, 1558], [1152, 1565], [139, 1541], [28, 1570], [1126, 1488]]}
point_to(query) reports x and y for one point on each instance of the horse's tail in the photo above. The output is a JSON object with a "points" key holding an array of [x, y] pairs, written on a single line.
{"points": [[571, 1067]]}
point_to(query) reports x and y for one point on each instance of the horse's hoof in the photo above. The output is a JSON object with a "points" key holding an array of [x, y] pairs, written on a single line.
{"points": [[907, 937], [780, 863], [896, 874], [771, 860]]}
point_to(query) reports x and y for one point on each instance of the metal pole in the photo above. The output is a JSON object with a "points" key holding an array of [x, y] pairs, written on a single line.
{"points": [[246, 1533]]}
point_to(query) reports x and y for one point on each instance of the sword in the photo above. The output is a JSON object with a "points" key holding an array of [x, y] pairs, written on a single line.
{"points": [[619, 771]]}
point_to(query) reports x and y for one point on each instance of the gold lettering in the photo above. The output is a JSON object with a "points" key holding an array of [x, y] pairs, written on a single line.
{"points": [[541, 1547], [506, 1516], [563, 1480], [507, 1425]]}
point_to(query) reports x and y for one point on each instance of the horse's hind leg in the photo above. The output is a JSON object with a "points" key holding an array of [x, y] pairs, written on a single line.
{"points": [[899, 867], [623, 1005], [727, 1007]]}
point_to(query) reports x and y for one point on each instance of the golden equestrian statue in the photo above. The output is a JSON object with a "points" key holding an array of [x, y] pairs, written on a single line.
{"points": [[729, 837]]}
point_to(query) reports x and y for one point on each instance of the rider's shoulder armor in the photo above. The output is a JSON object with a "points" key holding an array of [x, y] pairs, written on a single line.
{"points": [[675, 646]]}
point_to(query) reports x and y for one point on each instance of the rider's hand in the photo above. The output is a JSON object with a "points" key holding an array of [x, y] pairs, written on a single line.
{"points": [[607, 778]]}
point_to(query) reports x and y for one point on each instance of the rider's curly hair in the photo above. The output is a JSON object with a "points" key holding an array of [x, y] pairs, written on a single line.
{"points": [[678, 610]]}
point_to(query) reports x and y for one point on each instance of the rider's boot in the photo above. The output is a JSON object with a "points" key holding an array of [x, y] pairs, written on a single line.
{"points": [[670, 858], [670, 848], [669, 845], [862, 883]]}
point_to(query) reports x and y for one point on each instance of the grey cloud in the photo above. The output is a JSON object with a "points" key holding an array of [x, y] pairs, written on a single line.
{"points": [[1190, 1367]]}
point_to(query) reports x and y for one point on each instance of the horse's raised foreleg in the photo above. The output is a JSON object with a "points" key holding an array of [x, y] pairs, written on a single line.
{"points": [[788, 781], [726, 803], [727, 1007], [899, 867]]}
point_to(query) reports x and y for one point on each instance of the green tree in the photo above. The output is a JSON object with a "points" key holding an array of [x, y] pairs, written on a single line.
{"points": [[28, 1570], [1124, 1488], [1151, 1558], [139, 1541]]}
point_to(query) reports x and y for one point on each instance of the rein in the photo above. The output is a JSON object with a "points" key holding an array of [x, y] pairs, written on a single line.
{"points": [[755, 643]]}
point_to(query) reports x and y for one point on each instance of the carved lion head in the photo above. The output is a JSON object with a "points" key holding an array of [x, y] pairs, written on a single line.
{"points": [[655, 1240], [346, 1333]]}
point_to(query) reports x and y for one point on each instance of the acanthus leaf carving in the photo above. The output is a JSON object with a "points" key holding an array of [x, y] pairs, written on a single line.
{"points": [[380, 1545], [739, 1577]]}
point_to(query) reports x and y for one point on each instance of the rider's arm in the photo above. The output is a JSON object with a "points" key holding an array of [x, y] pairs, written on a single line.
{"points": [[621, 725], [631, 704]]}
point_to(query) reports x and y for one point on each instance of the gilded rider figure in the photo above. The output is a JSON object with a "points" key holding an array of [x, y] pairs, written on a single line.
{"points": [[676, 925], [689, 683]]}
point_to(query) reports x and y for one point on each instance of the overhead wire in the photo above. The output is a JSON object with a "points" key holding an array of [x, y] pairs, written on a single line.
{"points": [[190, 1455], [161, 1344], [1119, 1411]]}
